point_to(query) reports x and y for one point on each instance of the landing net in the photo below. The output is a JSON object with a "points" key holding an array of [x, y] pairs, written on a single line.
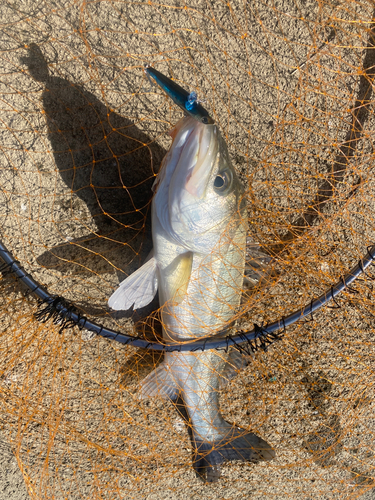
{"points": [[290, 86]]}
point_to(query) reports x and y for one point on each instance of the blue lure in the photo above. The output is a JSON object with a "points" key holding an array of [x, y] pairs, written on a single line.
{"points": [[185, 100], [192, 101]]}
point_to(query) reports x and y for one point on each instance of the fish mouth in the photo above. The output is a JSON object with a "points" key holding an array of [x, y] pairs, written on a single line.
{"points": [[197, 152], [199, 174]]}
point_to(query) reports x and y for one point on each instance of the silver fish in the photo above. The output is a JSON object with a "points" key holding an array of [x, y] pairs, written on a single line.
{"points": [[199, 225]]}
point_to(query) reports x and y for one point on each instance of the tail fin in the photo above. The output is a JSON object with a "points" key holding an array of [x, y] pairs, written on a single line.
{"points": [[237, 445]]}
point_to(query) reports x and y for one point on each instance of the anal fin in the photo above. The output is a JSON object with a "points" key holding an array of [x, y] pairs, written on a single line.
{"points": [[159, 383], [236, 362]]}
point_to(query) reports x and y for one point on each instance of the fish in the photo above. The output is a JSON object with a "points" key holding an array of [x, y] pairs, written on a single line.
{"points": [[199, 227]]}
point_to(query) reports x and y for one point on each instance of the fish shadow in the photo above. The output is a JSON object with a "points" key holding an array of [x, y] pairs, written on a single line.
{"points": [[109, 165], [324, 444]]}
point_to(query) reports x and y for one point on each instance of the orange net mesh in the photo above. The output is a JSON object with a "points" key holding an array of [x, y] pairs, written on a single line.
{"points": [[290, 85]]}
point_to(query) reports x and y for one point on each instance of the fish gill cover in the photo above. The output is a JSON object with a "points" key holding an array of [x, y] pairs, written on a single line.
{"points": [[290, 87]]}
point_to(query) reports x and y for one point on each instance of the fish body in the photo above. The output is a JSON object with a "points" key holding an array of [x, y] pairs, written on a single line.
{"points": [[199, 233], [199, 225]]}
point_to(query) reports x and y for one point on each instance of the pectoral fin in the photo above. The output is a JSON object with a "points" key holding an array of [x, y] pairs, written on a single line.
{"points": [[179, 272], [136, 290]]}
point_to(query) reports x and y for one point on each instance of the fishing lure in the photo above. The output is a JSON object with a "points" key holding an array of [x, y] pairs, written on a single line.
{"points": [[185, 100]]}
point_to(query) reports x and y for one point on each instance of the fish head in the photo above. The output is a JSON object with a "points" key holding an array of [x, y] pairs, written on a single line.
{"points": [[198, 192]]}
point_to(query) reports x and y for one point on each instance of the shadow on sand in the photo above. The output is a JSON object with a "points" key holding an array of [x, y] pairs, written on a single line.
{"points": [[109, 165]]}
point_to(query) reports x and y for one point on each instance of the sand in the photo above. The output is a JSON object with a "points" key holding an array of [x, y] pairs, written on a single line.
{"points": [[82, 140]]}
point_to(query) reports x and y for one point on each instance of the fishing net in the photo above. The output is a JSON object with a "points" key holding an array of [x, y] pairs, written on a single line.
{"points": [[290, 85]]}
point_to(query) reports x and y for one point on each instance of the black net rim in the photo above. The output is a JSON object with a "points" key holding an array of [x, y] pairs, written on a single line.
{"points": [[65, 315]]}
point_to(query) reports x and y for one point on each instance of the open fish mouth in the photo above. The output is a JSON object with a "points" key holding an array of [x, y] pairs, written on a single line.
{"points": [[195, 148]]}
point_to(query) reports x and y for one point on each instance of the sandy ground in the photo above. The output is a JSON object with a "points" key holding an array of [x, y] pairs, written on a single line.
{"points": [[12, 483], [82, 139]]}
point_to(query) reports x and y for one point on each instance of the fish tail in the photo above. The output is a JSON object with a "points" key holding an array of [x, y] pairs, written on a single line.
{"points": [[237, 445]]}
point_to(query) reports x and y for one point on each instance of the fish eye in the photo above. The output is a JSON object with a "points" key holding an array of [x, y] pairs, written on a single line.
{"points": [[222, 181], [205, 120], [219, 182]]}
